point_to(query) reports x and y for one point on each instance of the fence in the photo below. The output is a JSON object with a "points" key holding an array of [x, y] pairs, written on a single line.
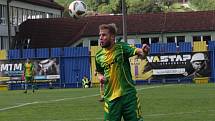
{"points": [[74, 64], [79, 61]]}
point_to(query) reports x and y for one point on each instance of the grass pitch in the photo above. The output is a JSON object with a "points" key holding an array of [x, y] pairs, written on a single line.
{"points": [[173, 102]]}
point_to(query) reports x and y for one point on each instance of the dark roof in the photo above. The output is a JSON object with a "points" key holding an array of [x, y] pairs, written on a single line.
{"points": [[49, 32], [60, 32], [46, 3]]}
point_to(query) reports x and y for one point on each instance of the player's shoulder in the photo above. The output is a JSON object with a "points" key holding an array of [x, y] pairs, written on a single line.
{"points": [[99, 52], [124, 45], [121, 43]]}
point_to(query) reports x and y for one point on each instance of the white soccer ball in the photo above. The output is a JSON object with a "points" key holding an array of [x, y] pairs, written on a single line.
{"points": [[77, 9], [86, 86]]}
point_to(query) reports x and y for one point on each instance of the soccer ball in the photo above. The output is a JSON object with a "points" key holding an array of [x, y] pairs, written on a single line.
{"points": [[77, 9], [86, 86]]}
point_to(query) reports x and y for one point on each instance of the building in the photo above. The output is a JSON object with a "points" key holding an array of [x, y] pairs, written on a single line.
{"points": [[141, 28], [21, 10]]}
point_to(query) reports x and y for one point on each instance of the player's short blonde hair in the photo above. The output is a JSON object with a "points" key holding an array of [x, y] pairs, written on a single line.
{"points": [[111, 27]]}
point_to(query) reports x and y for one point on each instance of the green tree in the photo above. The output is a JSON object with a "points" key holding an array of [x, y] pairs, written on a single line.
{"points": [[203, 4], [138, 6], [104, 8], [92, 5], [112, 6]]}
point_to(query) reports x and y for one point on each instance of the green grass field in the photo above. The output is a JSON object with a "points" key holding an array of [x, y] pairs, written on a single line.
{"points": [[177, 102]]}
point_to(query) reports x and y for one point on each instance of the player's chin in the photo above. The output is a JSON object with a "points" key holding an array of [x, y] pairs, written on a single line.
{"points": [[102, 45]]}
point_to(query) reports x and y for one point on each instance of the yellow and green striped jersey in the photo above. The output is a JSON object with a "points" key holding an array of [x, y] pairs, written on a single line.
{"points": [[115, 66], [28, 69]]}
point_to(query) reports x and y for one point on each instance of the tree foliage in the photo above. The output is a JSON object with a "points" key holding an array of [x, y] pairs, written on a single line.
{"points": [[132, 6], [140, 6], [203, 4]]}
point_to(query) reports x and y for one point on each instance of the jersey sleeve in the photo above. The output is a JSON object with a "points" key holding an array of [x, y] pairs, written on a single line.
{"points": [[128, 50]]}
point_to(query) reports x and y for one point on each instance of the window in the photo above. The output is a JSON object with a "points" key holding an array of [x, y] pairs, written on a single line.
{"points": [[43, 15], [207, 38], [4, 43], [145, 41], [49, 15], [15, 16], [79, 45], [38, 14], [180, 39], [196, 38], [1, 14], [175, 39], [33, 14], [29, 15], [154, 39], [11, 15], [1, 42], [20, 16], [25, 14], [57, 15], [171, 39], [149, 40], [54, 15], [93, 42]]}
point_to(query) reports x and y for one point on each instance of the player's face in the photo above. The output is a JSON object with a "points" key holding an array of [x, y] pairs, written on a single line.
{"points": [[105, 38]]}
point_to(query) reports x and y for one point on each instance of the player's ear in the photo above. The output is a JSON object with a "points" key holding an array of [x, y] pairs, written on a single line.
{"points": [[112, 37]]}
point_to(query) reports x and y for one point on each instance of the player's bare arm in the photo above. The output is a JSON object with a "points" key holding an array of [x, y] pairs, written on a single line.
{"points": [[100, 77]]}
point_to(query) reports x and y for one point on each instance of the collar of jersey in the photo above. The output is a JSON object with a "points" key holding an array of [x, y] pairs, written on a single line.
{"points": [[109, 50]]}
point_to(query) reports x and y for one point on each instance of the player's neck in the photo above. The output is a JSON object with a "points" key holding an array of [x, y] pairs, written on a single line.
{"points": [[111, 46]]}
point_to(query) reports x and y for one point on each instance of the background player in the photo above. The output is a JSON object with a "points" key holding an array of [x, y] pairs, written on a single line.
{"points": [[28, 74]]}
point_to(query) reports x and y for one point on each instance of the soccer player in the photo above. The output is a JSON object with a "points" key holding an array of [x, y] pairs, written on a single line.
{"points": [[113, 67], [85, 82], [28, 73]]}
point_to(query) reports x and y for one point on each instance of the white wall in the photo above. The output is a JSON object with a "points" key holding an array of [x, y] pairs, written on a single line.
{"points": [[31, 7], [137, 38], [34, 7], [4, 2], [4, 28], [189, 35]]}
